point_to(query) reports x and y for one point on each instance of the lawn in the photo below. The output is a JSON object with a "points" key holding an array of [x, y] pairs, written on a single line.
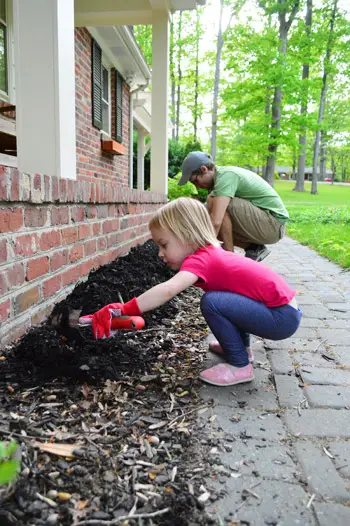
{"points": [[320, 221]]}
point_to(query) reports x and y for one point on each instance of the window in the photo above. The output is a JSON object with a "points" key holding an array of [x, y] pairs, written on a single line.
{"points": [[3, 48], [118, 107], [106, 113], [102, 103]]}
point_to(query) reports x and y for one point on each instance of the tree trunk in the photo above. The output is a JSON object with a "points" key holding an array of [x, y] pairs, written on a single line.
{"points": [[299, 186], [323, 156], [323, 99], [196, 82], [214, 116], [284, 26], [179, 78], [172, 78]]}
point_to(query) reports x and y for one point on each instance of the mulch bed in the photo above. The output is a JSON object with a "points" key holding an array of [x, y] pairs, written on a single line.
{"points": [[124, 411]]}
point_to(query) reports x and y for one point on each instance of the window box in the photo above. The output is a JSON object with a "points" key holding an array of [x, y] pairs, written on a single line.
{"points": [[113, 147]]}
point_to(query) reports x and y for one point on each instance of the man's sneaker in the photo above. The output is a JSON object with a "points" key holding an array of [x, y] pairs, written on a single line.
{"points": [[225, 374], [215, 348], [257, 252]]}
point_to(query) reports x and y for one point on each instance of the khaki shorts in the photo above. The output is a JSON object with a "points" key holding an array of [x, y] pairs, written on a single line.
{"points": [[251, 224]]}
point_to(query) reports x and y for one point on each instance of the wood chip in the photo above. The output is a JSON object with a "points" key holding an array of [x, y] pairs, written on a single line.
{"points": [[61, 450]]}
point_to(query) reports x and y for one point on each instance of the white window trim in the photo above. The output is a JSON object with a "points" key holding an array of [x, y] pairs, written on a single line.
{"points": [[106, 64], [10, 96]]}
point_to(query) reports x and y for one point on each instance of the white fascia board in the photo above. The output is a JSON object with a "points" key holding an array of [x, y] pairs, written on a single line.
{"points": [[136, 63], [125, 35]]}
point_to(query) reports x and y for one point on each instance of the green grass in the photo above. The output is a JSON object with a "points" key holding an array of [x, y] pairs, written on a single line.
{"points": [[321, 221]]}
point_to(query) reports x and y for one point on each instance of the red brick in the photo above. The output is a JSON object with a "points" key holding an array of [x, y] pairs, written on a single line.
{"points": [[84, 231], [37, 182], [5, 310], [52, 285], [50, 240], [70, 276], [3, 183], [91, 212], [78, 214], [37, 267], [60, 215], [111, 225], [59, 259], [15, 275], [90, 247], [14, 181], [69, 235], [96, 229], [26, 299], [3, 283], [35, 216], [26, 245], [3, 251], [76, 253], [102, 243], [86, 267], [11, 219], [55, 191]]}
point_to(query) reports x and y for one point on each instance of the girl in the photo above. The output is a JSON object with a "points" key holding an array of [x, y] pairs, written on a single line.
{"points": [[242, 297]]}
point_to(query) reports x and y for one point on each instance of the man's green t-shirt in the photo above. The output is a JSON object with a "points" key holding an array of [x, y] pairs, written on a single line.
{"points": [[232, 181]]}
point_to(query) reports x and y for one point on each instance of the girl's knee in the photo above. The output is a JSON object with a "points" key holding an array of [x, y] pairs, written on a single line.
{"points": [[207, 302]]}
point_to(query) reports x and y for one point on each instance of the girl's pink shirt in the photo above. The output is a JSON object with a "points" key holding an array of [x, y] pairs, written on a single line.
{"points": [[218, 269]]}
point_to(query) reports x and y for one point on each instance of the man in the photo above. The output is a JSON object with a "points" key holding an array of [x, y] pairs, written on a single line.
{"points": [[244, 209]]}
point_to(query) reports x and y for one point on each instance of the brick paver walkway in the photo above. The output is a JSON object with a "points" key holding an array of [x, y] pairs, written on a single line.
{"points": [[285, 454]]}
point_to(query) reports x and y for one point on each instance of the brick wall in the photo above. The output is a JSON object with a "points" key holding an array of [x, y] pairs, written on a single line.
{"points": [[91, 161], [53, 232]]}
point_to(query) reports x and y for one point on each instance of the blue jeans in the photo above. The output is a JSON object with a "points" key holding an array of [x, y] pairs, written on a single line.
{"points": [[232, 318]]}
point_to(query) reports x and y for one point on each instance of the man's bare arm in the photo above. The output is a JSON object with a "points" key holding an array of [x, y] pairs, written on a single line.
{"points": [[217, 207]]}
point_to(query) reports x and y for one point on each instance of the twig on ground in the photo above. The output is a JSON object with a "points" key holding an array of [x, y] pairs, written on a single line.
{"points": [[186, 414], [99, 522], [319, 345], [310, 500]]}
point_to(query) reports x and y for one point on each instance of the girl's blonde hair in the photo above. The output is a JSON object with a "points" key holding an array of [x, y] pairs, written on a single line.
{"points": [[188, 220]]}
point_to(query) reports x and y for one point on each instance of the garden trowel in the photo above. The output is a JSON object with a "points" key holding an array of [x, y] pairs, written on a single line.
{"points": [[66, 322]]}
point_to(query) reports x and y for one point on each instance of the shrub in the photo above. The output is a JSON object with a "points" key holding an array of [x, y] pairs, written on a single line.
{"points": [[8, 466], [175, 191]]}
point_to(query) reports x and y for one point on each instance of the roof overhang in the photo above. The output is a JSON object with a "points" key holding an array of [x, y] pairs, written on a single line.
{"points": [[126, 12], [119, 46]]}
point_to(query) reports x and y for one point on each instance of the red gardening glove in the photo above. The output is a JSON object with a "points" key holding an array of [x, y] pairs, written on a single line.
{"points": [[102, 319], [131, 308]]}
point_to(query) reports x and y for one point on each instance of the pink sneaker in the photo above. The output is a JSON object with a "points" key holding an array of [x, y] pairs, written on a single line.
{"points": [[225, 374], [216, 348]]}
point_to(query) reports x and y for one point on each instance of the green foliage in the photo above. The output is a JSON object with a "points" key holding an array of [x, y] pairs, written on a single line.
{"points": [[175, 191], [321, 221], [8, 466], [176, 156]]}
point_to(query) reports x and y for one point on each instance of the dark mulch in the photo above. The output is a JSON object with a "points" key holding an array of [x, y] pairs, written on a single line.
{"points": [[128, 406]]}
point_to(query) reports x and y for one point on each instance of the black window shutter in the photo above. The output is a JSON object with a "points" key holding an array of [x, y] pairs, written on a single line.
{"points": [[96, 67], [118, 107]]}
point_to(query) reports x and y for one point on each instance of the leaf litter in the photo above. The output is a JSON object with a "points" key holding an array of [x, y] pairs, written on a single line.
{"points": [[108, 430]]}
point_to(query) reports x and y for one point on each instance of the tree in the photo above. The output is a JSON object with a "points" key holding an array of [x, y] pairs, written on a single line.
{"points": [[282, 8], [299, 186], [219, 45], [323, 97]]}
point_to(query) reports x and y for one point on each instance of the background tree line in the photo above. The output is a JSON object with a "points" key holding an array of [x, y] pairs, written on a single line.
{"points": [[269, 87]]}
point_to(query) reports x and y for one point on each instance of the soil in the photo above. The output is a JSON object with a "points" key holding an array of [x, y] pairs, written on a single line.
{"points": [[126, 407]]}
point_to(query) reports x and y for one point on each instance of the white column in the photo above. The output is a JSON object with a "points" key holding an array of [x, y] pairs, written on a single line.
{"points": [[160, 74], [45, 86], [141, 152]]}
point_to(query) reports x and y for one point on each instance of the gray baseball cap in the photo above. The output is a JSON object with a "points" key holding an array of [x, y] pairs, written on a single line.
{"points": [[192, 163]]}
